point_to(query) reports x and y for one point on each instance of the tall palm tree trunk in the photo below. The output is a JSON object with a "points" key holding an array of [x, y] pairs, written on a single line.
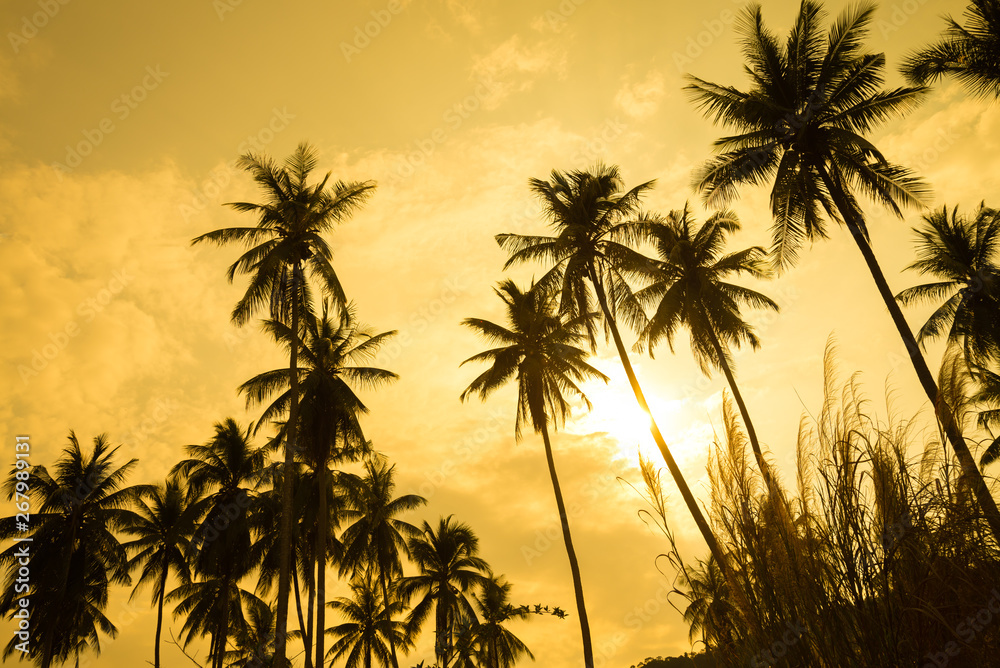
{"points": [[285, 540], [941, 409], [305, 629], [159, 617], [747, 422], [574, 566], [675, 471], [321, 537], [385, 606]]}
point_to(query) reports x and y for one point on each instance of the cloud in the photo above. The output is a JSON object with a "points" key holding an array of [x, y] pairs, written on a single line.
{"points": [[641, 99], [513, 67]]}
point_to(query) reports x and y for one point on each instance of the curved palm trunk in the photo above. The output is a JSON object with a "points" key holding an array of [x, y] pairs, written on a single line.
{"points": [[747, 422], [675, 471], [941, 409], [385, 606], [304, 629], [574, 566], [285, 540], [321, 538], [159, 617]]}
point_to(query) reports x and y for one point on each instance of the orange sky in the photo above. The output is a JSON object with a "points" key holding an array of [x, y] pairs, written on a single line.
{"points": [[119, 125]]}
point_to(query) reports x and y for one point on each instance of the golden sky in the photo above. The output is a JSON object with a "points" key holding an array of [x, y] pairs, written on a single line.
{"points": [[119, 125]]}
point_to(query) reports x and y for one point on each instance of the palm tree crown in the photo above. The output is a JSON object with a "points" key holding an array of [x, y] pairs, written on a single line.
{"points": [[690, 287], [802, 124], [75, 554], [450, 567], [963, 252], [539, 348], [970, 53]]}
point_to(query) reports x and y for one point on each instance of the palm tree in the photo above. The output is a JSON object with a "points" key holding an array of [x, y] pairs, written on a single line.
{"points": [[164, 523], [595, 221], [74, 556], [334, 350], [962, 252], [376, 538], [970, 53], [221, 475], [540, 348], [450, 567], [498, 647], [689, 287], [370, 629], [286, 244], [803, 123]]}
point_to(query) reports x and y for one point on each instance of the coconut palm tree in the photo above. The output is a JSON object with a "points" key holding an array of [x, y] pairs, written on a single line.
{"points": [[74, 556], [963, 253], [222, 475], [803, 123], [539, 347], [970, 53], [163, 524], [286, 245], [498, 647], [335, 350], [376, 538], [595, 221], [689, 288], [370, 630], [450, 567]]}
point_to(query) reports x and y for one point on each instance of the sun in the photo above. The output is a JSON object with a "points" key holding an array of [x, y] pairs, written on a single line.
{"points": [[616, 412]]}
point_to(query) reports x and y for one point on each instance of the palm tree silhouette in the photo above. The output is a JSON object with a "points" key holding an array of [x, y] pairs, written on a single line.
{"points": [[221, 475], [962, 252], [970, 53], [690, 288], [163, 524], [334, 353], [803, 123], [539, 347], [286, 244], [75, 556], [595, 221], [450, 567], [370, 629], [498, 647], [376, 538]]}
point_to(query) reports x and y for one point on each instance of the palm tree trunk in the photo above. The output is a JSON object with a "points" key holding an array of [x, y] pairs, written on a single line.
{"points": [[305, 629], [675, 471], [574, 566], [219, 660], [747, 422], [385, 605], [941, 409], [285, 540], [321, 537], [159, 617]]}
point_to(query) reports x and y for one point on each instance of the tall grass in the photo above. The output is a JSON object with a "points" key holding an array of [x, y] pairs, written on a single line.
{"points": [[880, 557]]}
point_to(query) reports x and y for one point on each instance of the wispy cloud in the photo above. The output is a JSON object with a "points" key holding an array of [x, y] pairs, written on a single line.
{"points": [[514, 67]]}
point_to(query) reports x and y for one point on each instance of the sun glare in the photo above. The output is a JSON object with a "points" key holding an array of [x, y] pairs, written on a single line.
{"points": [[616, 413]]}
